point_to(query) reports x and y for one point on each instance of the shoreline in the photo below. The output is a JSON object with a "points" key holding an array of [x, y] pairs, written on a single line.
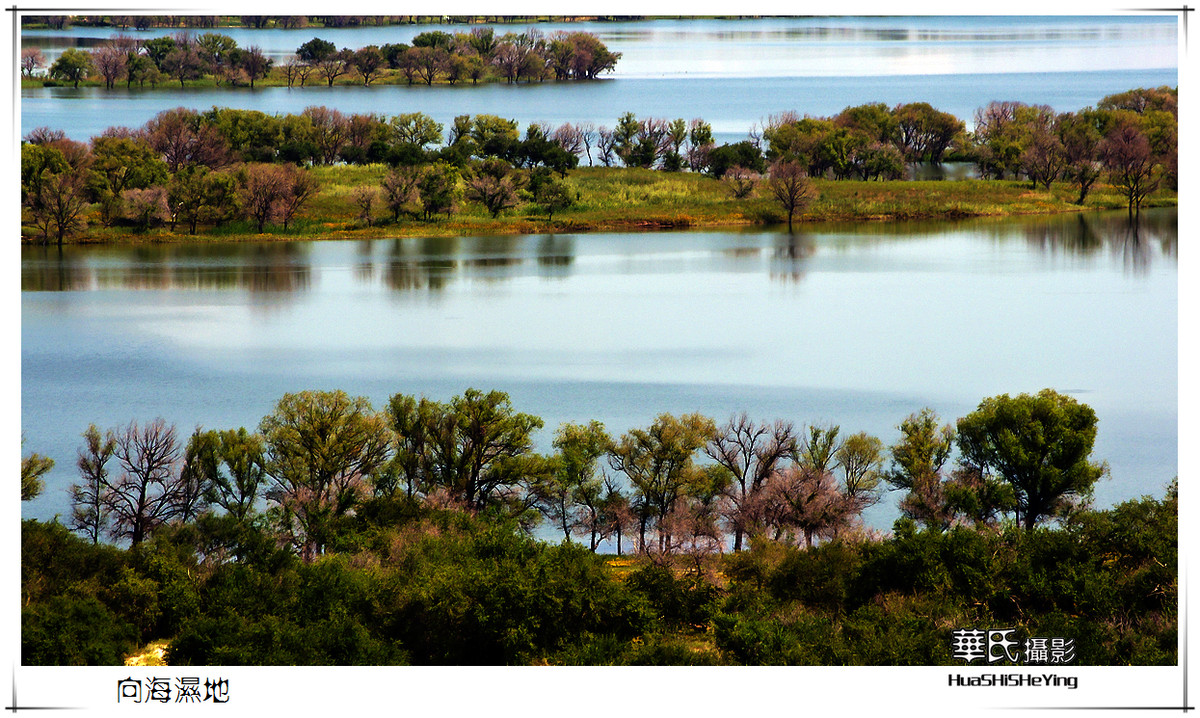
{"points": [[631, 200]]}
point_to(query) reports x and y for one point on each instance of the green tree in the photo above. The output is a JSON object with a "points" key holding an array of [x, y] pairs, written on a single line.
{"points": [[315, 50], [570, 495], [195, 194], [739, 154], [1040, 445], [916, 466], [861, 459], [72, 66], [478, 448], [215, 50], [232, 469], [439, 189], [157, 50], [415, 128], [553, 195], [923, 133], [659, 462], [321, 449], [33, 468], [124, 163], [89, 514]]}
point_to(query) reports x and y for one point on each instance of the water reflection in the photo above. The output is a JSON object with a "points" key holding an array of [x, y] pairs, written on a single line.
{"points": [[281, 268], [430, 264], [555, 253], [1135, 240]]}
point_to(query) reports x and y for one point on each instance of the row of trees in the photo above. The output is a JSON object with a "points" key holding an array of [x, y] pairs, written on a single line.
{"points": [[682, 484], [185, 167], [434, 56], [172, 168], [290, 22]]}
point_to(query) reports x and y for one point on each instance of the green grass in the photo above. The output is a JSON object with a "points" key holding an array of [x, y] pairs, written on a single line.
{"points": [[618, 199]]}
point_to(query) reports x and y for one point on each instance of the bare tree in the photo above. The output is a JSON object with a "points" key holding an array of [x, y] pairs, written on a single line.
{"points": [[606, 145], [260, 192], [109, 61], [813, 503], [181, 139], [144, 496], [750, 452], [368, 63], [1044, 158], [587, 136], [400, 189], [568, 137], [496, 194], [146, 207], [31, 61], [299, 186], [334, 65], [790, 185], [296, 69], [365, 198], [1130, 164], [256, 64], [330, 130]]}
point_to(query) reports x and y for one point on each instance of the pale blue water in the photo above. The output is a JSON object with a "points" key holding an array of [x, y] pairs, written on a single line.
{"points": [[732, 73], [856, 325]]}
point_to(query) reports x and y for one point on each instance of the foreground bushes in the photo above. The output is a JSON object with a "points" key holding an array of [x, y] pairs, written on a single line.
{"points": [[424, 586]]}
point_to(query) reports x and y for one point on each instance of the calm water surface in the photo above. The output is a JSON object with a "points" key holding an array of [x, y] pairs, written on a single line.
{"points": [[733, 73], [858, 325]]}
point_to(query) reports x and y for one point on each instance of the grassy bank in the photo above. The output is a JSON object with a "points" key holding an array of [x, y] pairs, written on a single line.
{"points": [[620, 199]]}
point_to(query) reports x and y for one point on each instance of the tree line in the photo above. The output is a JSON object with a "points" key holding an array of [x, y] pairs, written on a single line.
{"points": [[336, 535], [192, 167], [683, 484], [433, 56], [291, 22]]}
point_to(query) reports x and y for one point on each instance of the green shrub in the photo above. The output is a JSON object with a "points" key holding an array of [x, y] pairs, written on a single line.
{"points": [[74, 631]]}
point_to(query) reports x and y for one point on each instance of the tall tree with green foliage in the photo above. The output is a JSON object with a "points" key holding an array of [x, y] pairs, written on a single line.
{"points": [[917, 461], [89, 514], [660, 463], [72, 66], [574, 482], [481, 450], [1040, 444], [321, 448]]}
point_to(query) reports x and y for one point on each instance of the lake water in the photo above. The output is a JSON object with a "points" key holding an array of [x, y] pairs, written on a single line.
{"points": [[732, 73], [858, 325]]}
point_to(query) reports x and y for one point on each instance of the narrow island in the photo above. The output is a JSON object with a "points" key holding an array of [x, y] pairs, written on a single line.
{"points": [[235, 175]]}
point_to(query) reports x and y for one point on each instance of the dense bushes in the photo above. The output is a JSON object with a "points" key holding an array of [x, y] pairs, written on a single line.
{"points": [[439, 587], [1107, 581]]}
